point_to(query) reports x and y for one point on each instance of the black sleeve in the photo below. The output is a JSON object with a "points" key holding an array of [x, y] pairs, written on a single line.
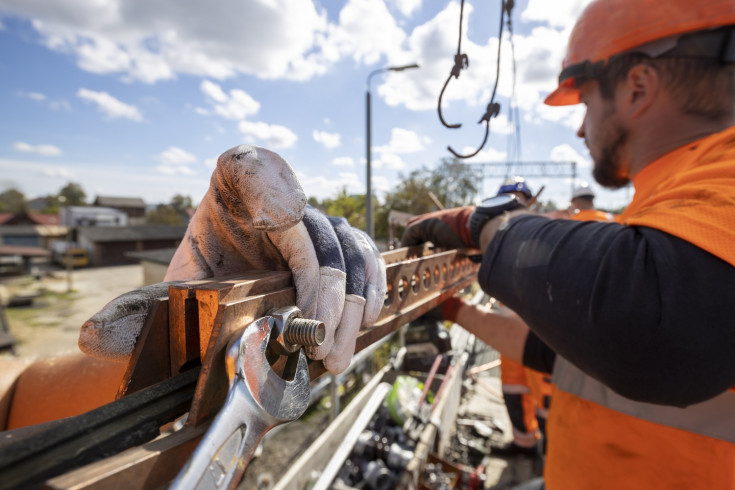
{"points": [[646, 313], [537, 355]]}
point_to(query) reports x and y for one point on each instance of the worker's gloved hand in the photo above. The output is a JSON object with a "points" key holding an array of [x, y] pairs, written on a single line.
{"points": [[254, 217], [447, 228]]}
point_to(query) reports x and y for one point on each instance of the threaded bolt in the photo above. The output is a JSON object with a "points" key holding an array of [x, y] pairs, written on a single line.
{"points": [[304, 331]]}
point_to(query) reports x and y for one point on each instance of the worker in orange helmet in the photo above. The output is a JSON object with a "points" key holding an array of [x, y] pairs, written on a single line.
{"points": [[634, 318], [582, 205], [526, 392]]}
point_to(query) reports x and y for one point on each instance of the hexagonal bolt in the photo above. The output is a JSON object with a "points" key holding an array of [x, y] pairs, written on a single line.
{"points": [[304, 331], [291, 330]]}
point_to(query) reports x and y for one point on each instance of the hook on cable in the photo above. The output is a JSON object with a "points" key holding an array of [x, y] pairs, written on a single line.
{"points": [[461, 61], [492, 110]]}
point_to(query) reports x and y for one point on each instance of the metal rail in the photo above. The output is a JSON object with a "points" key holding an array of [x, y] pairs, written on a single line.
{"points": [[190, 330]]}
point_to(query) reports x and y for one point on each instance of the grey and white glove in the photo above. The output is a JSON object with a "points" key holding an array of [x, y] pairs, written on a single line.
{"points": [[254, 217]]}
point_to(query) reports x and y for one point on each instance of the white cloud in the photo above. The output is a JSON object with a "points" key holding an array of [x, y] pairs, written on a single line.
{"points": [[53, 104], [323, 187], [366, 31], [152, 41], [174, 170], [403, 141], [555, 14], [44, 150], [489, 155], [235, 105], [175, 161], [60, 105], [271, 135], [388, 160], [569, 116], [381, 184], [35, 96], [174, 155], [565, 153], [58, 172], [407, 7], [210, 162], [343, 162], [328, 140], [110, 106]]}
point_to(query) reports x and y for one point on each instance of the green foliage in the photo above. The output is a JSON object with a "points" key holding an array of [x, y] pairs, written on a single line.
{"points": [[181, 203], [72, 194], [546, 206], [164, 214], [173, 213], [13, 201], [455, 183], [313, 201], [351, 207], [452, 182]]}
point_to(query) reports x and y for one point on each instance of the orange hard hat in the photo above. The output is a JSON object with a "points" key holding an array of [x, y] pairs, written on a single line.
{"points": [[610, 27]]}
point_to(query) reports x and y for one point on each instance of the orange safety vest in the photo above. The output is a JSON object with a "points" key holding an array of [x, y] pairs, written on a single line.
{"points": [[592, 215], [599, 439]]}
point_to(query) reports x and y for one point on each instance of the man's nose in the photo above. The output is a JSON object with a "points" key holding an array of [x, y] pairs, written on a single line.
{"points": [[580, 131]]}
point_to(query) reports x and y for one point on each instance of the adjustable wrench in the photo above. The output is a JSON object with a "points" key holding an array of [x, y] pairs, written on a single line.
{"points": [[257, 401]]}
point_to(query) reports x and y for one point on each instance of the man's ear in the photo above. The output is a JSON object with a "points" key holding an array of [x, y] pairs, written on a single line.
{"points": [[639, 90]]}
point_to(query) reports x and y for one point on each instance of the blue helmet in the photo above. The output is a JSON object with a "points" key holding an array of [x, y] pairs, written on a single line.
{"points": [[516, 184]]}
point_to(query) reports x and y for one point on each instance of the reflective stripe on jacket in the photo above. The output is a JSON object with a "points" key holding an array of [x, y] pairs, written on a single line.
{"points": [[599, 439]]}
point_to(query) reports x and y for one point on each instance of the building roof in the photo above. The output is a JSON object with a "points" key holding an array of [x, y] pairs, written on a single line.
{"points": [[45, 219], [24, 251], [119, 202], [160, 256], [33, 230], [29, 219], [132, 233]]}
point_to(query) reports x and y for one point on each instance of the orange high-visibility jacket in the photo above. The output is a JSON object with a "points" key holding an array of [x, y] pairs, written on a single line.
{"points": [[599, 439]]}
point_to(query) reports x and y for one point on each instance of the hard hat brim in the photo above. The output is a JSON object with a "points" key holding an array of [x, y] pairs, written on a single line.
{"points": [[565, 94]]}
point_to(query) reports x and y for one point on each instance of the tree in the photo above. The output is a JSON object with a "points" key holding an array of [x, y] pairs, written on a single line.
{"points": [[73, 195], [13, 201], [350, 207], [175, 212], [452, 182], [181, 204], [164, 214], [455, 183]]}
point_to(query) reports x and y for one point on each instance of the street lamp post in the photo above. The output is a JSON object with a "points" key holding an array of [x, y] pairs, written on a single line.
{"points": [[370, 225]]}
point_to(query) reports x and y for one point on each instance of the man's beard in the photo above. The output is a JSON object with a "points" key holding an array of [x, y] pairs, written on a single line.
{"points": [[607, 170]]}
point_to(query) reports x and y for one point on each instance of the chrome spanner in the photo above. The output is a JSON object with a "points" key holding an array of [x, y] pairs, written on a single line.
{"points": [[257, 401]]}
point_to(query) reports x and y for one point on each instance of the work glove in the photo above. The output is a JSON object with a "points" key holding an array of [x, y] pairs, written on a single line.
{"points": [[447, 228], [254, 217]]}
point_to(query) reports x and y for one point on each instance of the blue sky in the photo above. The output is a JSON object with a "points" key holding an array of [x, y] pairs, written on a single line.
{"points": [[138, 98]]}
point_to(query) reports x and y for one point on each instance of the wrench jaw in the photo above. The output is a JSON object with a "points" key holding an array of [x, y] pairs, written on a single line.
{"points": [[257, 401], [281, 399]]}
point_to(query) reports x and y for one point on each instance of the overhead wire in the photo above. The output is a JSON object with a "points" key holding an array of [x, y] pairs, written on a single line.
{"points": [[461, 61], [493, 107], [515, 150]]}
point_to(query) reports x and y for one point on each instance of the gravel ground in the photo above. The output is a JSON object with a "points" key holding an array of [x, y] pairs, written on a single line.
{"points": [[50, 326]]}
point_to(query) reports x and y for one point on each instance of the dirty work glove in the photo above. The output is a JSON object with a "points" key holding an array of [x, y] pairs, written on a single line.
{"points": [[254, 217], [447, 228]]}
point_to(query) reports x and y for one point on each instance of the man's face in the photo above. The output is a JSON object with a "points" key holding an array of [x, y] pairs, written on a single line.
{"points": [[605, 136]]}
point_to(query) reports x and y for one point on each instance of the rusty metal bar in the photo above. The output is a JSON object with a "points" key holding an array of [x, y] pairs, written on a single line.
{"points": [[418, 280]]}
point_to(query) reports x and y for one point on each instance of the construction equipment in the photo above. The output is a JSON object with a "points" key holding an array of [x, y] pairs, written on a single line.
{"points": [[179, 366], [258, 400]]}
